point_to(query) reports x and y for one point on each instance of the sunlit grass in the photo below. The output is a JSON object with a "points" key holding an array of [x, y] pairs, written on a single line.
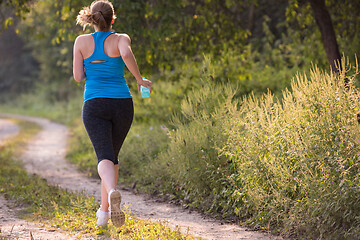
{"points": [[35, 105], [59, 209]]}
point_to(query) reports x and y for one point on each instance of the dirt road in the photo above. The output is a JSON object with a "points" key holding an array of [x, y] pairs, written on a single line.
{"points": [[11, 226]]}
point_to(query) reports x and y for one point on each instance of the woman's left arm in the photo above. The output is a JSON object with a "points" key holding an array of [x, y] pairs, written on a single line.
{"points": [[127, 55], [78, 65]]}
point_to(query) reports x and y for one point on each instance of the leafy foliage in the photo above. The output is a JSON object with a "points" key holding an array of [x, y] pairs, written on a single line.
{"points": [[343, 14], [14, 7], [167, 33], [18, 67], [49, 29], [174, 29]]}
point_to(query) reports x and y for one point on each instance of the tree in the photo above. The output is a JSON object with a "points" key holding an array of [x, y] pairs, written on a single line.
{"points": [[18, 68], [324, 22], [20, 7]]}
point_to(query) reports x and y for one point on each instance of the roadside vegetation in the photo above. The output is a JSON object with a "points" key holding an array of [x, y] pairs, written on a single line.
{"points": [[290, 164], [56, 208]]}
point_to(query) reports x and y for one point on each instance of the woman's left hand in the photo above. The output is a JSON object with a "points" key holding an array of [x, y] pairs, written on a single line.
{"points": [[144, 82]]}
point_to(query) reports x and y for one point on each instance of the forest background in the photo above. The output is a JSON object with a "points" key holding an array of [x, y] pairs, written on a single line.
{"points": [[246, 120]]}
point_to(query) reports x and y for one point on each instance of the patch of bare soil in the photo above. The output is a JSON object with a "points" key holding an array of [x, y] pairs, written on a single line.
{"points": [[45, 156], [13, 227]]}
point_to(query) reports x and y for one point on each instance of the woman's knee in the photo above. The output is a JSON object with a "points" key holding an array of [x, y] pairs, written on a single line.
{"points": [[114, 162]]}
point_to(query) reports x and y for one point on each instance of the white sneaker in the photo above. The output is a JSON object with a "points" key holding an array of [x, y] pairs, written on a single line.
{"points": [[117, 216], [102, 217]]}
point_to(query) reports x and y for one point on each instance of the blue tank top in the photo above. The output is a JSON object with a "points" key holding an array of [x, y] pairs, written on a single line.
{"points": [[105, 79]]}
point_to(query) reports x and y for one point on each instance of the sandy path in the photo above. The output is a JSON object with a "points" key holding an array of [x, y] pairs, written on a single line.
{"points": [[45, 156], [7, 130], [12, 227]]}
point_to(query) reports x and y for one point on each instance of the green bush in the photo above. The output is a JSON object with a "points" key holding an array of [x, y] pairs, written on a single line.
{"points": [[297, 161], [190, 169]]}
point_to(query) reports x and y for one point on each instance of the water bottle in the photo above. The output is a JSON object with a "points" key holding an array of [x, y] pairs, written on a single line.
{"points": [[145, 92]]}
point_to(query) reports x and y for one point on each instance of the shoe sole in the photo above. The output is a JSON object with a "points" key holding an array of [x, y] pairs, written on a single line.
{"points": [[117, 216]]}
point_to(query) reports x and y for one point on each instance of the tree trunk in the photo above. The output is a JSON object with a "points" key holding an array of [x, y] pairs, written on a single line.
{"points": [[328, 37], [251, 16]]}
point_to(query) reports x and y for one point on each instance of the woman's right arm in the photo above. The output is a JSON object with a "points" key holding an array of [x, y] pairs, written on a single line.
{"points": [[78, 65], [127, 55]]}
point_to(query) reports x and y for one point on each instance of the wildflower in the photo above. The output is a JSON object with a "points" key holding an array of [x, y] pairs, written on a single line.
{"points": [[163, 127]]}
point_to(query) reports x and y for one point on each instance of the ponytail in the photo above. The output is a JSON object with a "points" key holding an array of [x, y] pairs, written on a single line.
{"points": [[84, 18], [100, 14]]}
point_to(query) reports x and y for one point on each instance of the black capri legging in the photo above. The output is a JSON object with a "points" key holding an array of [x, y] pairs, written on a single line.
{"points": [[107, 122]]}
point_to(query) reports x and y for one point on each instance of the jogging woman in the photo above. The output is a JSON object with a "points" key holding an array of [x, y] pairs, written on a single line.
{"points": [[108, 109]]}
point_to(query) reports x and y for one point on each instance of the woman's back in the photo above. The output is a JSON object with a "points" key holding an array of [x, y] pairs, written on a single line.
{"points": [[104, 66], [111, 43]]}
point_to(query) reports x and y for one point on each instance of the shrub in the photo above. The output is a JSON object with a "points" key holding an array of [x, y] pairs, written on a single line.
{"points": [[297, 161], [190, 169]]}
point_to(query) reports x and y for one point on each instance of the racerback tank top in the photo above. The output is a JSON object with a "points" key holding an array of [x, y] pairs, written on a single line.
{"points": [[104, 79]]}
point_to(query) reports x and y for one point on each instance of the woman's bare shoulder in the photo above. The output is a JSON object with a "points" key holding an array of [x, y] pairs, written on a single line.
{"points": [[123, 36], [83, 38]]}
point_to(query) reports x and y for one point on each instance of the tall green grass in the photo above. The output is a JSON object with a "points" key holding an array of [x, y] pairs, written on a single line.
{"points": [[297, 161], [191, 170], [39, 103]]}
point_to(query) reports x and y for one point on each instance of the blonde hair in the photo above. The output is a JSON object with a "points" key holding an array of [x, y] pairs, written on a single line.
{"points": [[100, 14]]}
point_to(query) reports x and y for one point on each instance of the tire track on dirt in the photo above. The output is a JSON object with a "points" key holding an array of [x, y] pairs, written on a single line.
{"points": [[45, 156]]}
